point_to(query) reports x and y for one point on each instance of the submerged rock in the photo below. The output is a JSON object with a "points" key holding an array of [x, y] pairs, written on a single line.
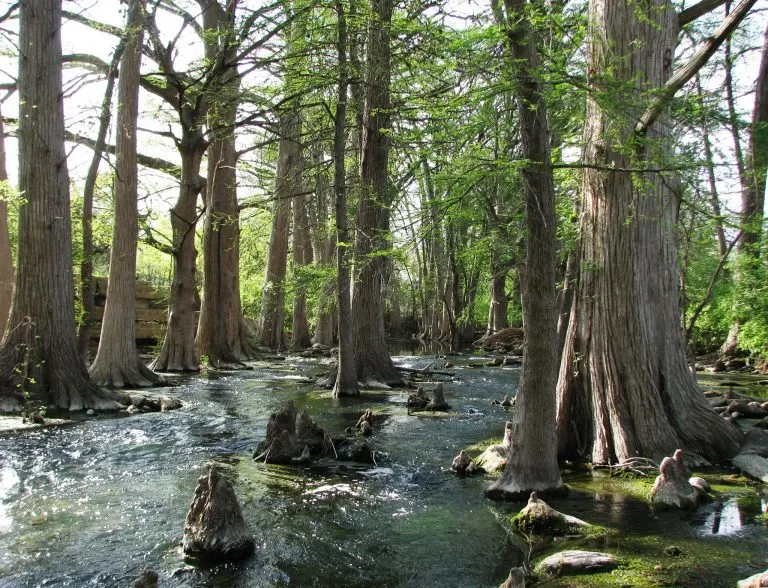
{"points": [[572, 562], [671, 488], [516, 579], [215, 528]]}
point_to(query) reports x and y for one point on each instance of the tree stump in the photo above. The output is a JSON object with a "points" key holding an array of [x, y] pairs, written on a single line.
{"points": [[310, 434], [461, 462], [438, 401], [516, 579], [215, 528], [148, 579], [419, 400], [539, 517], [671, 488]]}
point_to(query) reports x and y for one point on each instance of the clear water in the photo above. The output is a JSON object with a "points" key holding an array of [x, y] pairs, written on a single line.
{"points": [[95, 503]]}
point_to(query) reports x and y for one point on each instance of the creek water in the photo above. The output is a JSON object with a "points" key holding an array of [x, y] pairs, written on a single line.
{"points": [[94, 503]]}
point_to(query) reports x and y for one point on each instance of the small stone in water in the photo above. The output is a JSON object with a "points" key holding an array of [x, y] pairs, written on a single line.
{"points": [[90, 412]]}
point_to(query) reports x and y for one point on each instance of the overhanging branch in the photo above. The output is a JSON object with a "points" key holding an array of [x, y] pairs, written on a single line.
{"points": [[687, 71]]}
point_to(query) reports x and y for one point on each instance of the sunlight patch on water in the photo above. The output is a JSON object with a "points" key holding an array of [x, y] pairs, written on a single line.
{"points": [[9, 481]]}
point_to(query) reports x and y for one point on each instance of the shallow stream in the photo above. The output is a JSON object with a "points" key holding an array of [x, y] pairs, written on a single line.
{"points": [[94, 503]]}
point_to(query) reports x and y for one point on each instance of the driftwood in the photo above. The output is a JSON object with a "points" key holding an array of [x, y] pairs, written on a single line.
{"points": [[577, 562]]}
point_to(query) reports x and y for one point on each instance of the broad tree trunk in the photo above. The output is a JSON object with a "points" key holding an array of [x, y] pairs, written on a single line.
{"points": [[221, 334], [272, 319], [38, 355], [87, 284], [625, 388], [372, 360], [532, 455], [6, 261], [346, 375]]}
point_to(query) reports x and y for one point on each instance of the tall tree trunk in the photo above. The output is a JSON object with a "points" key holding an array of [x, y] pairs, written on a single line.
{"points": [[87, 285], [272, 319], [532, 455], [346, 375], [323, 240], [302, 256], [6, 260], [178, 353], [372, 238], [38, 354], [624, 387], [117, 362], [221, 335]]}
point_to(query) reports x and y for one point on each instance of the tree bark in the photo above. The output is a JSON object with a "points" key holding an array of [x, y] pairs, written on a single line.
{"points": [[346, 375], [6, 260], [221, 334], [272, 319], [302, 257], [38, 355], [178, 353], [372, 238], [87, 285], [532, 455], [117, 362], [625, 388]]}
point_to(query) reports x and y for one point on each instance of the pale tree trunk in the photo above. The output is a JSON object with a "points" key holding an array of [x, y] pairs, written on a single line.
{"points": [[272, 319], [346, 375], [117, 362], [87, 285], [532, 455], [6, 261], [625, 388], [178, 353], [222, 335], [372, 360], [38, 355]]}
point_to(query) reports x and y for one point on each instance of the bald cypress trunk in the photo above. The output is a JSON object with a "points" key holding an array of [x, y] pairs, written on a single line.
{"points": [[532, 456], [372, 236], [117, 361], [624, 387], [221, 335], [38, 355], [6, 261]]}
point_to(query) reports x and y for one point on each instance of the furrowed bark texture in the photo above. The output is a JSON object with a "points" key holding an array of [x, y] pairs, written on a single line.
{"points": [[272, 320], [178, 353], [222, 335], [38, 354], [372, 238], [6, 261], [532, 455], [346, 375], [624, 388], [117, 362]]}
